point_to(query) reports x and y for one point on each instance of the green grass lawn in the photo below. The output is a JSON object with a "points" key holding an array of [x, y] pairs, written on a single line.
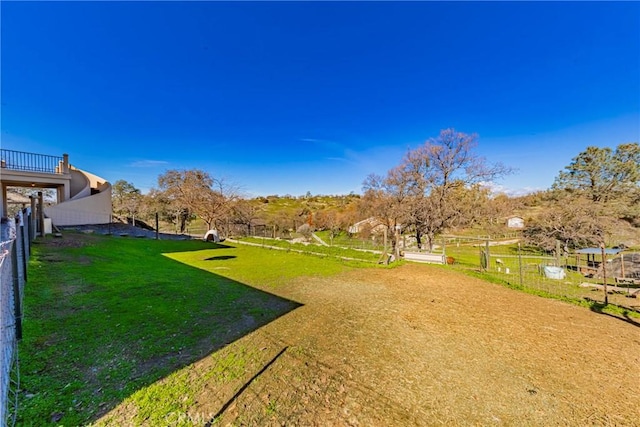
{"points": [[343, 239], [330, 251], [110, 317], [105, 317]]}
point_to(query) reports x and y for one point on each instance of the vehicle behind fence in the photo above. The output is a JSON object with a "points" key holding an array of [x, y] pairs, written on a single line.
{"points": [[15, 237]]}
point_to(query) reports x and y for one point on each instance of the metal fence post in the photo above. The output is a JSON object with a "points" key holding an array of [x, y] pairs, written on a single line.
{"points": [[17, 309], [23, 251]]}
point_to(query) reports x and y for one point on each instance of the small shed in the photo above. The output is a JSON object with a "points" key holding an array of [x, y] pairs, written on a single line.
{"points": [[515, 222], [594, 259]]}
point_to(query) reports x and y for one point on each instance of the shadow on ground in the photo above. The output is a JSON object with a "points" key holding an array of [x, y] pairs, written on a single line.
{"points": [[105, 323], [220, 258], [598, 307]]}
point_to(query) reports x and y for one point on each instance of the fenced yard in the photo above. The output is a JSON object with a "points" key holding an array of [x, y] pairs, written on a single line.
{"points": [[346, 253], [123, 331], [501, 260], [530, 270]]}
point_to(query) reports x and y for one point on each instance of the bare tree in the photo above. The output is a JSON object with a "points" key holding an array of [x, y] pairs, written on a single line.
{"points": [[215, 205], [501, 206], [447, 165], [432, 185], [385, 199], [168, 209], [245, 213], [332, 220], [577, 223], [196, 191]]}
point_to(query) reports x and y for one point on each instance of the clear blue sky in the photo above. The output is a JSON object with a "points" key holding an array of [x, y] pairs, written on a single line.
{"points": [[291, 97]]}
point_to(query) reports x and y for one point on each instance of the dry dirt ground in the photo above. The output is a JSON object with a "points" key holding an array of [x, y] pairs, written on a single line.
{"points": [[419, 345]]}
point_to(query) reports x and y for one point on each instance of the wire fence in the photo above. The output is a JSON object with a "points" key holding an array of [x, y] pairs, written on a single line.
{"points": [[502, 259], [15, 235], [561, 274], [342, 240]]}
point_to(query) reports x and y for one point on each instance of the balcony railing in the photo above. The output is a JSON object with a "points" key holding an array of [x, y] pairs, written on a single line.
{"points": [[31, 162]]}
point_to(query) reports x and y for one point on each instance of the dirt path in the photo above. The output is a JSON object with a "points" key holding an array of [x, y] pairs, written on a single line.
{"points": [[419, 345]]}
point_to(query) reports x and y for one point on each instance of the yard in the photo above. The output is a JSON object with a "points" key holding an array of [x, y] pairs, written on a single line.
{"points": [[123, 331]]}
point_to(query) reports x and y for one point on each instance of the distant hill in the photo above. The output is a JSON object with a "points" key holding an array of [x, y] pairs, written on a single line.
{"points": [[289, 212]]}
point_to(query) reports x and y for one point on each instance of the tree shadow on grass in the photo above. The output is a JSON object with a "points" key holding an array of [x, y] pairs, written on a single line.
{"points": [[598, 307], [96, 334], [220, 258]]}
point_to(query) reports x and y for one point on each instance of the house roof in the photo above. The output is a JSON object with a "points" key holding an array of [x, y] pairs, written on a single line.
{"points": [[366, 221]]}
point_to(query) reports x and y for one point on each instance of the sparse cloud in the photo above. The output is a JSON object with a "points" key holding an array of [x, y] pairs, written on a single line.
{"points": [[516, 192], [148, 163], [496, 189]]}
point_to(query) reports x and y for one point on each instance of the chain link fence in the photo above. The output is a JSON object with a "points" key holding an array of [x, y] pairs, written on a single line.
{"points": [[15, 237]]}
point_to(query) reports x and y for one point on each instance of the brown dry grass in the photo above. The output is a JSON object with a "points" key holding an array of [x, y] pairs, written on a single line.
{"points": [[418, 345]]}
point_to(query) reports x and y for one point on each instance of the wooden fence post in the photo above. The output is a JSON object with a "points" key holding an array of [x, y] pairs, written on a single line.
{"points": [[32, 219], [520, 263], [604, 273], [488, 255], [41, 212]]}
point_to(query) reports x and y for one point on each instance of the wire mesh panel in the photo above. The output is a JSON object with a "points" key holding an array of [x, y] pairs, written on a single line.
{"points": [[556, 275], [7, 318], [14, 255]]}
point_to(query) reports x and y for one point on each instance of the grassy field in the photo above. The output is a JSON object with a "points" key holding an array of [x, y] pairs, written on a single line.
{"points": [[520, 268], [343, 239], [106, 316], [124, 331], [314, 248]]}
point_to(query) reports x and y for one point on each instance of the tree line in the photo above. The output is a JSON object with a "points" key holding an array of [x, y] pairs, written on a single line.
{"points": [[438, 187]]}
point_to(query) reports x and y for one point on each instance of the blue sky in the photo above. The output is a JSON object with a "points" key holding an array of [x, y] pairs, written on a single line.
{"points": [[290, 97]]}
